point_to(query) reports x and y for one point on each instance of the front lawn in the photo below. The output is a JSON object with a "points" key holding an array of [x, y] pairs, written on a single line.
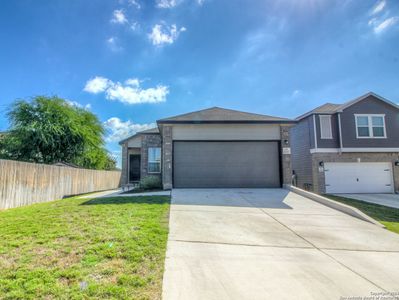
{"points": [[84, 248], [385, 215]]}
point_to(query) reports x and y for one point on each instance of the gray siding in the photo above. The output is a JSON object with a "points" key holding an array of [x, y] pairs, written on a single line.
{"points": [[370, 105], [301, 139], [328, 143]]}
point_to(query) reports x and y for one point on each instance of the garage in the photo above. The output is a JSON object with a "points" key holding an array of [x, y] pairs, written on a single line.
{"points": [[365, 177], [219, 164]]}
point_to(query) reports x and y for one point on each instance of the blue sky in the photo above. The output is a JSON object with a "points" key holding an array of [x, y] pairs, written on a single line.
{"points": [[133, 61]]}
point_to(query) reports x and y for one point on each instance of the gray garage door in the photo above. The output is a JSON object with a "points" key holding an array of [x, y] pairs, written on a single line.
{"points": [[226, 164]]}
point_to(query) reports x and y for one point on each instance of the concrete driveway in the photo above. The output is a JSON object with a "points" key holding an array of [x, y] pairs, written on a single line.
{"points": [[272, 244]]}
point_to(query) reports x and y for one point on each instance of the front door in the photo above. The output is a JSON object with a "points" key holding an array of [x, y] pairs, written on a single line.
{"points": [[134, 167]]}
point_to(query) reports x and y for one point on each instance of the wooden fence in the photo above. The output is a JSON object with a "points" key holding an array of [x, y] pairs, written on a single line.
{"points": [[24, 183]]}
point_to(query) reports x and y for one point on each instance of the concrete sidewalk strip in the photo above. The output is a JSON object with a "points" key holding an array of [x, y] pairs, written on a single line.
{"points": [[118, 193], [390, 200], [272, 244]]}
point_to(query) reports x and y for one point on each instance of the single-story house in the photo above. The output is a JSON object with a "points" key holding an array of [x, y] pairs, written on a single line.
{"points": [[211, 148]]}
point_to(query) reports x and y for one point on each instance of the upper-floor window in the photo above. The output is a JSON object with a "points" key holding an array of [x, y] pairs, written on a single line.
{"points": [[154, 160], [370, 126], [325, 127]]}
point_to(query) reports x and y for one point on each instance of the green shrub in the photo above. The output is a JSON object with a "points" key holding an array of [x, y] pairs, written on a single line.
{"points": [[150, 183]]}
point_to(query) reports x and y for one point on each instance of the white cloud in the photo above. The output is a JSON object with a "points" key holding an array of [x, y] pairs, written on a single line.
{"points": [[200, 2], [118, 17], [384, 25], [77, 104], [161, 34], [134, 3], [378, 7], [129, 92], [119, 130], [381, 22], [113, 44], [166, 3], [135, 26], [96, 85], [296, 93]]}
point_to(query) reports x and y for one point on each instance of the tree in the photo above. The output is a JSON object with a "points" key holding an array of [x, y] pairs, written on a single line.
{"points": [[49, 130]]}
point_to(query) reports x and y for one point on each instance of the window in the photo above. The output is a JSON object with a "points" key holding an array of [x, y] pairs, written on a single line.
{"points": [[325, 127], [154, 160], [370, 126]]}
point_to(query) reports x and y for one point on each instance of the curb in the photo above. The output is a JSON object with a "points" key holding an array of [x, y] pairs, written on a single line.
{"points": [[349, 210]]}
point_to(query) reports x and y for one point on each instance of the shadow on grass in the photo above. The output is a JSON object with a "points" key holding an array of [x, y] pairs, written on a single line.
{"points": [[128, 200]]}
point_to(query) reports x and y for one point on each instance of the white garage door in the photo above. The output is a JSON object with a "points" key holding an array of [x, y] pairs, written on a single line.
{"points": [[358, 177]]}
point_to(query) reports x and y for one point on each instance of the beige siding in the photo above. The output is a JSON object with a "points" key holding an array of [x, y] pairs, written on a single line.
{"points": [[134, 142], [27, 183], [226, 132]]}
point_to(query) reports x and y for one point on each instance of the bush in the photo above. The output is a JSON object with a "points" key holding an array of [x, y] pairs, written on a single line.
{"points": [[150, 183]]}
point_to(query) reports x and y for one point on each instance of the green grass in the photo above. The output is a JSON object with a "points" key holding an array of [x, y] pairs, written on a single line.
{"points": [[385, 215], [111, 248]]}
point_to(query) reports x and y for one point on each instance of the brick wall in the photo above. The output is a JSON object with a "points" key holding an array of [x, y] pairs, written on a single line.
{"points": [[167, 147], [319, 179], [286, 158], [147, 141]]}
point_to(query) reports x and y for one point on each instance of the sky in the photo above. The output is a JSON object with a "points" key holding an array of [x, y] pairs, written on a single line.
{"points": [[132, 62]]}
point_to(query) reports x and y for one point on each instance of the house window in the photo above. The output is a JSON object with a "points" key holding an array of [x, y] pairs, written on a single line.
{"points": [[325, 127], [154, 160], [370, 126]]}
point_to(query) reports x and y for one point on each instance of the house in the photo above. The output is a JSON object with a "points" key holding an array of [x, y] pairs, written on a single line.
{"points": [[348, 148], [214, 147]]}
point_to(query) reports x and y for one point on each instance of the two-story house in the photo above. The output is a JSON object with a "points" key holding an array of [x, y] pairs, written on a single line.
{"points": [[348, 148]]}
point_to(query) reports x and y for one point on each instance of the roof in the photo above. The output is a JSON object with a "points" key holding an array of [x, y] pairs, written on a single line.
{"points": [[151, 130], [330, 108], [223, 115], [327, 108], [154, 130]]}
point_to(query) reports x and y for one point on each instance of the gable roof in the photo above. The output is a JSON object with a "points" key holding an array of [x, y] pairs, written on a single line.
{"points": [[223, 115], [154, 130], [330, 108]]}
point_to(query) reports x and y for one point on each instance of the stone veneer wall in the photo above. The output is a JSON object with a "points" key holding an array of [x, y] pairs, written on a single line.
{"points": [[124, 174], [167, 152], [147, 141], [285, 158], [319, 178]]}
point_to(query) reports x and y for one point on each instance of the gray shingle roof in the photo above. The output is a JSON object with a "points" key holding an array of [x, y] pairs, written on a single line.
{"points": [[151, 130], [330, 108], [154, 130], [218, 114], [327, 108]]}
